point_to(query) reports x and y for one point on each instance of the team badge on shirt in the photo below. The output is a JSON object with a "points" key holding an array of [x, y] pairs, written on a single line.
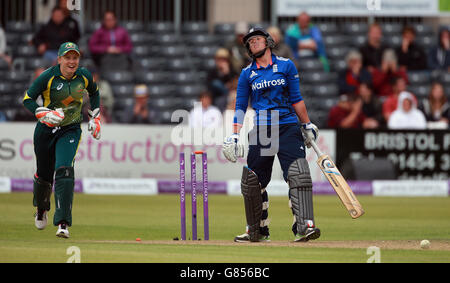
{"points": [[275, 68]]}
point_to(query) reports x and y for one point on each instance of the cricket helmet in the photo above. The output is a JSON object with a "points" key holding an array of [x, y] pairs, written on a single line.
{"points": [[270, 43]]}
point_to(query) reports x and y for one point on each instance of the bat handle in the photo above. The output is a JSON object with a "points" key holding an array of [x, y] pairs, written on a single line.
{"points": [[316, 148]]}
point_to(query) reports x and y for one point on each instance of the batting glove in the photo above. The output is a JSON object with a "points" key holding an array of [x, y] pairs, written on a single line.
{"points": [[231, 149], [94, 125], [310, 133], [51, 118]]}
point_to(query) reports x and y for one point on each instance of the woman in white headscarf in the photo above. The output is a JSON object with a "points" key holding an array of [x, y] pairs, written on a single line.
{"points": [[407, 116]]}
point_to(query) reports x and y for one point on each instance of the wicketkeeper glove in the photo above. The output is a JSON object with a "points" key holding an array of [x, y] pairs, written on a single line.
{"points": [[94, 125], [51, 118], [310, 133], [231, 149]]}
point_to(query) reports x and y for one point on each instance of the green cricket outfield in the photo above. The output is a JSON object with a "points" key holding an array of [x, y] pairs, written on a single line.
{"points": [[105, 229]]}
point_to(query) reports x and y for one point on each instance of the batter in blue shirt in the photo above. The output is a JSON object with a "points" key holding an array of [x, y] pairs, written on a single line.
{"points": [[282, 128]]}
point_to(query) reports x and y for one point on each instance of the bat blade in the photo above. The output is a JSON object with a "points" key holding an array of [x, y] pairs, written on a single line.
{"points": [[341, 186]]}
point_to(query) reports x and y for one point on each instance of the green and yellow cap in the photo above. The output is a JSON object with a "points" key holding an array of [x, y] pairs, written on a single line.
{"points": [[66, 47]]}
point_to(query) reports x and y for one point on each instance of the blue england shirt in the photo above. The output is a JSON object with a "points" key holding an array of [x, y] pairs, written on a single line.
{"points": [[274, 88]]}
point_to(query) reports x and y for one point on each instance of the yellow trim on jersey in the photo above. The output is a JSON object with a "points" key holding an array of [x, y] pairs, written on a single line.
{"points": [[86, 81], [46, 93], [26, 96]]}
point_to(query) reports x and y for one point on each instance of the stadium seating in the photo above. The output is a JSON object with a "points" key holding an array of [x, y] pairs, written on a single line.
{"points": [[174, 66]]}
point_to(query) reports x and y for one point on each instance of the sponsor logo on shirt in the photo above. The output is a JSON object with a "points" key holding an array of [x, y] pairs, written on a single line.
{"points": [[266, 84], [253, 74]]}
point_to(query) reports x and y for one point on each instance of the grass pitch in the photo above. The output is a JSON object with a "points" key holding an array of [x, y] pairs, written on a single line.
{"points": [[105, 229]]}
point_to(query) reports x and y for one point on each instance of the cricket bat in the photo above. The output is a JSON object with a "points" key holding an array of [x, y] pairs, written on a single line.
{"points": [[338, 183]]}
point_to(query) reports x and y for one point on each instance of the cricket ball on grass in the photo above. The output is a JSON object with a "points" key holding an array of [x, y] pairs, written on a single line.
{"points": [[425, 244]]}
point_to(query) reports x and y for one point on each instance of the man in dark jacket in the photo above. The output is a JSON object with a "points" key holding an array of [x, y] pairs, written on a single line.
{"points": [[411, 57], [372, 51], [57, 31]]}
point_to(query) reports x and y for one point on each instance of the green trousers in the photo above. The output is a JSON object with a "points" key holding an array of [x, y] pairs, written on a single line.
{"points": [[55, 150]]}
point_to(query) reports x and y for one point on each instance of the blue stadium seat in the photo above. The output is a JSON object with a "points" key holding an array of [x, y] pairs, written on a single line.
{"points": [[190, 90], [423, 29], [357, 40], [141, 38], [168, 39], [91, 27], [391, 28], [426, 41], [26, 51], [178, 64], [337, 52], [393, 40], [335, 40], [317, 77], [123, 103], [328, 28], [161, 27], [224, 28], [200, 39], [326, 90], [4, 65], [194, 27], [444, 78], [420, 91], [132, 26], [355, 28], [310, 65], [152, 77], [161, 90], [6, 88], [142, 50], [419, 77], [37, 62], [119, 77], [173, 51], [151, 63], [18, 27], [204, 51], [123, 90]]}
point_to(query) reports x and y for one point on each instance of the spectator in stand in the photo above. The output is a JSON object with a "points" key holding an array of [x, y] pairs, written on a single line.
{"points": [[305, 40], [57, 31], [140, 108], [239, 56], [347, 113], [383, 76], [391, 102], [110, 38], [373, 50], [3, 56], [353, 75], [204, 114], [411, 57], [439, 55], [106, 98], [222, 78], [70, 16], [371, 108], [436, 108], [281, 49], [407, 116]]}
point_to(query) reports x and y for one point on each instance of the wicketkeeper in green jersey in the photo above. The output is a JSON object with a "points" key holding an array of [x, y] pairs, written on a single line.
{"points": [[58, 133]]}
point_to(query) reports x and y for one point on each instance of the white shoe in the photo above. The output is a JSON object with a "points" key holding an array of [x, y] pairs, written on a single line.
{"points": [[62, 231], [40, 219]]}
